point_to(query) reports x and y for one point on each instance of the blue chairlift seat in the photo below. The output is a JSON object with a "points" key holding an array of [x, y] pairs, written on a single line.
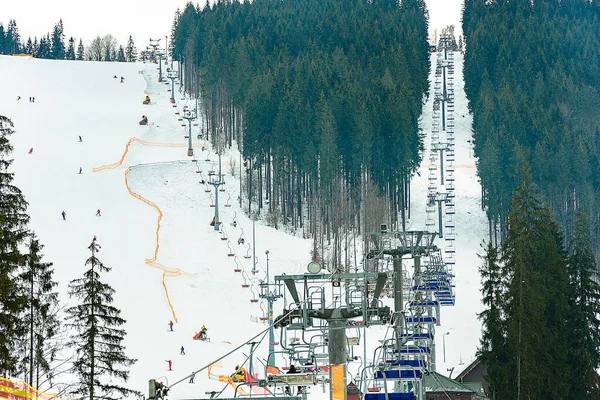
{"points": [[390, 396], [413, 350], [420, 320], [407, 363], [399, 374]]}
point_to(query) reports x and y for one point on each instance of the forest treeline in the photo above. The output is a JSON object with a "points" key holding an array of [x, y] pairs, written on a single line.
{"points": [[53, 46], [532, 77], [322, 97]]}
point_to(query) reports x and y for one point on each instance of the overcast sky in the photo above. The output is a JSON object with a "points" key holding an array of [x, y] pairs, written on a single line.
{"points": [[143, 19]]}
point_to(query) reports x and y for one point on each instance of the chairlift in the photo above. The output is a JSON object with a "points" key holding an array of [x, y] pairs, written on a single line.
{"points": [[247, 256], [228, 203], [230, 254], [253, 299], [245, 284]]}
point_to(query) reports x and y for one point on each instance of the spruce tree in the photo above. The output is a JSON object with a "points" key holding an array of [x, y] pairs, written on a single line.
{"points": [[29, 46], [584, 336], [13, 38], [120, 54], [130, 51], [13, 232], [492, 348], [71, 50], [80, 51], [41, 318], [100, 354], [536, 308], [58, 42]]}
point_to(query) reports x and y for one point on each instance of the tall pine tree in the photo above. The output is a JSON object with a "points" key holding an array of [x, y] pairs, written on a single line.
{"points": [[80, 51], [492, 348], [584, 338], [58, 42], [13, 232], [130, 50], [71, 49], [536, 308], [41, 319], [100, 354]]}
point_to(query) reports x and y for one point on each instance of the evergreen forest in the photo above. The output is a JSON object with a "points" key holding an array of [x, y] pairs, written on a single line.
{"points": [[532, 77], [321, 97], [541, 333]]}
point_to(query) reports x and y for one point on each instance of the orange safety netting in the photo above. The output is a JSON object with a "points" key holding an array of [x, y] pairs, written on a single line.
{"points": [[142, 142], [19, 390], [151, 261]]}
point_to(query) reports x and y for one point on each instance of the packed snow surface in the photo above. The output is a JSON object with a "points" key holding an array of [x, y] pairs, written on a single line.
{"points": [[192, 280]]}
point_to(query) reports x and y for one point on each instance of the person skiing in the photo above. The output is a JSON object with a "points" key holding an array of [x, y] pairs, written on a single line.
{"points": [[80, 169], [64, 215], [81, 140], [18, 97], [171, 325], [121, 79], [98, 213], [182, 351], [192, 376], [170, 364], [31, 150]]}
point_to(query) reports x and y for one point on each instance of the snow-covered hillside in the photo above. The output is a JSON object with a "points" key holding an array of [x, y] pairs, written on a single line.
{"points": [[156, 177]]}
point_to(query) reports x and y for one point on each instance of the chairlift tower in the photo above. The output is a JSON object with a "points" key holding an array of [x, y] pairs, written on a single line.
{"points": [[443, 97], [439, 198], [190, 115], [309, 303], [410, 354], [440, 147], [216, 180], [172, 75], [270, 292], [160, 56], [154, 43]]}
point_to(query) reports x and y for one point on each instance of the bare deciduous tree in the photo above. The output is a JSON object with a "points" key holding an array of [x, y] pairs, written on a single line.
{"points": [[102, 49]]}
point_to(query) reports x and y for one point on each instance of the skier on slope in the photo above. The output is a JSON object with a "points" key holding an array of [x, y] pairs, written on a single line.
{"points": [[64, 215], [98, 213], [171, 325], [170, 364]]}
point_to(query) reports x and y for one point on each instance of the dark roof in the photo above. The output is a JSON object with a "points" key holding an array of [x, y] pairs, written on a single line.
{"points": [[435, 382], [468, 369]]}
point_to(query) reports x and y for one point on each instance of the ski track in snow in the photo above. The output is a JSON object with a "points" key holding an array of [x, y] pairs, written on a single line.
{"points": [[83, 98]]}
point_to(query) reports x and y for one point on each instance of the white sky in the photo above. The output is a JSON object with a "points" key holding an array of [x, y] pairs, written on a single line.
{"points": [[143, 19]]}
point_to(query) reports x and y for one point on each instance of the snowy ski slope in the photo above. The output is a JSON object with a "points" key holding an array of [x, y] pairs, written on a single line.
{"points": [[83, 98]]}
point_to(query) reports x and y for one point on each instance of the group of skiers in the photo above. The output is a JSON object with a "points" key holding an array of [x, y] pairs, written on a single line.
{"points": [[200, 335]]}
